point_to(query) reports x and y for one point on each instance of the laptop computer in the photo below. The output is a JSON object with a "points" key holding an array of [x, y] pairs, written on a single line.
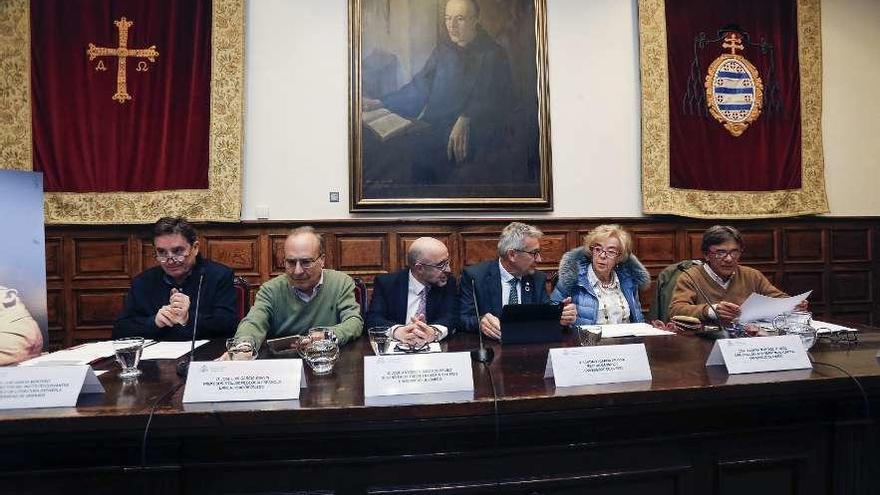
{"points": [[530, 323]]}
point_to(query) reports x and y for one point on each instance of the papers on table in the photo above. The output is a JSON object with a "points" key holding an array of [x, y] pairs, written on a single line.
{"points": [[79, 355], [825, 327], [632, 330], [757, 307], [169, 350]]}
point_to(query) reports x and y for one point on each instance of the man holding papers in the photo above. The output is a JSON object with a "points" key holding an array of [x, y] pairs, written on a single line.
{"points": [[419, 303], [722, 280]]}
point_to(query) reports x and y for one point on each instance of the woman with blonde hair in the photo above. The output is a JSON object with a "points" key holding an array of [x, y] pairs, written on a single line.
{"points": [[603, 278]]}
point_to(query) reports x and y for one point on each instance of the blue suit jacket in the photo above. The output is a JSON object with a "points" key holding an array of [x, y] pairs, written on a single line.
{"points": [[388, 305], [485, 278]]}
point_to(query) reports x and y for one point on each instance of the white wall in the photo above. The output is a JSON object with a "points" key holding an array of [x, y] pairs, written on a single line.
{"points": [[296, 131]]}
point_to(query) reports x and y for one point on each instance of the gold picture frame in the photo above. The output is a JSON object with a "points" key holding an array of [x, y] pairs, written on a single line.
{"points": [[220, 202], [409, 161]]}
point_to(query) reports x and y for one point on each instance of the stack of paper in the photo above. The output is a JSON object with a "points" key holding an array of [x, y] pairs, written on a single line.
{"points": [[632, 330]]}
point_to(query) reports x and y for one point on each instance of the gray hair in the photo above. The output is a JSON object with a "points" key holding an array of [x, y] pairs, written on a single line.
{"points": [[308, 229], [719, 234], [514, 237]]}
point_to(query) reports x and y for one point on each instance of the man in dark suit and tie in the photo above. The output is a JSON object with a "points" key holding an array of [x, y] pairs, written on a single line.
{"points": [[418, 303], [511, 279]]}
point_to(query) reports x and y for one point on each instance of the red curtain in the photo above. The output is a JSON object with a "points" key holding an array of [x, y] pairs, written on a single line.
{"points": [[703, 154], [84, 141]]}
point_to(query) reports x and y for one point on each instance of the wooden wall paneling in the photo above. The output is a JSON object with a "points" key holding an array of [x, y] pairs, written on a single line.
{"points": [[276, 266], [54, 258], [851, 244], [403, 240], [803, 245], [553, 245], [101, 258], [477, 247], [760, 246], [851, 286], [55, 312], [241, 253], [363, 255], [96, 310]]}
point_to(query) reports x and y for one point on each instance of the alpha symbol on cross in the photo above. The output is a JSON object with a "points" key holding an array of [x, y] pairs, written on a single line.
{"points": [[122, 52]]}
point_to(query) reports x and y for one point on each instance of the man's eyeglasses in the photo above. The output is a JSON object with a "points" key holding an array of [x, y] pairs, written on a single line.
{"points": [[609, 253], [176, 256], [535, 254], [305, 263], [442, 266], [722, 253]]}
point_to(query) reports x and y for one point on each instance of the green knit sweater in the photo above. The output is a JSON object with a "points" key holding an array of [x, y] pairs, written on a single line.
{"points": [[277, 312]]}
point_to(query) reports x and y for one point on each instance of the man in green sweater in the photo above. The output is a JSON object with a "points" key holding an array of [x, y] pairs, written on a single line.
{"points": [[306, 296], [722, 279]]}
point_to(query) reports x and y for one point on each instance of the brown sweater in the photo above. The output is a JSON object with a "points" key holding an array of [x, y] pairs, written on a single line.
{"points": [[687, 301]]}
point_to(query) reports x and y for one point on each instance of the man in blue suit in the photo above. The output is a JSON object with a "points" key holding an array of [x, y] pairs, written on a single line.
{"points": [[419, 303], [511, 279]]}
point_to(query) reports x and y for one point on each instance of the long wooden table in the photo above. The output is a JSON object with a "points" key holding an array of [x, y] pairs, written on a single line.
{"points": [[691, 430]]}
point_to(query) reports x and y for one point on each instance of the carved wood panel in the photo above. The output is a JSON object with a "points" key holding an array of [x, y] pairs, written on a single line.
{"points": [[655, 248], [98, 308], [851, 286], [850, 245], [54, 258], [362, 254], [803, 246], [239, 253], [101, 258], [478, 247]]}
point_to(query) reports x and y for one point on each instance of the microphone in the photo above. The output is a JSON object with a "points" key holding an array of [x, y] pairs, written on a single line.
{"points": [[700, 291], [481, 355], [183, 366]]}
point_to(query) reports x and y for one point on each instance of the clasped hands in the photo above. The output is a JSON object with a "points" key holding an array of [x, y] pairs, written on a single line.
{"points": [[490, 325], [416, 333], [176, 312]]}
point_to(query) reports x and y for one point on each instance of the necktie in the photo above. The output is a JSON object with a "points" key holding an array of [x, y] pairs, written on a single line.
{"points": [[423, 297], [513, 295]]}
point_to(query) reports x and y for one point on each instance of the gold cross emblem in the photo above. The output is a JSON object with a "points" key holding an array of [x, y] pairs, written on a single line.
{"points": [[122, 52]]}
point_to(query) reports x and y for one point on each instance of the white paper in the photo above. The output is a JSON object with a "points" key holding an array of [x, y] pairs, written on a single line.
{"points": [[265, 379], [572, 366], [632, 330], [46, 386], [79, 355], [825, 327], [432, 347], [757, 307], [759, 354], [418, 374], [169, 350]]}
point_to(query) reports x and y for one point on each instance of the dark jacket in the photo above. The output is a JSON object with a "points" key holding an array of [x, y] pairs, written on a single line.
{"points": [[152, 289], [486, 279], [573, 282], [388, 305]]}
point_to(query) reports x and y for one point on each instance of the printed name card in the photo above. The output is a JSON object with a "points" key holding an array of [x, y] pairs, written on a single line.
{"points": [[417, 374], [221, 381], [46, 386], [573, 366], [757, 354]]}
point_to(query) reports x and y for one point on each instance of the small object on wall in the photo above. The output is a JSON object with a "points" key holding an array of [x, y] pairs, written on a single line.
{"points": [[334, 196]]}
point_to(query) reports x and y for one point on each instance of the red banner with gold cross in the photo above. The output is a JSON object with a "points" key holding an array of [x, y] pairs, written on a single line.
{"points": [[129, 114]]}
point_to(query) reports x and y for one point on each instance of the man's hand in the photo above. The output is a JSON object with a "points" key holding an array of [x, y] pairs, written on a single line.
{"points": [[368, 104], [802, 306], [569, 313], [165, 317], [728, 310], [458, 139], [490, 326], [179, 306], [417, 333]]}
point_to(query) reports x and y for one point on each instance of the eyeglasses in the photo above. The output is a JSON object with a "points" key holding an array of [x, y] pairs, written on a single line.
{"points": [[305, 263], [442, 266], [535, 254], [609, 253], [721, 254], [176, 256]]}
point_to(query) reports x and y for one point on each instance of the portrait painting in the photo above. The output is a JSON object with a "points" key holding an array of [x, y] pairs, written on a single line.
{"points": [[449, 105]]}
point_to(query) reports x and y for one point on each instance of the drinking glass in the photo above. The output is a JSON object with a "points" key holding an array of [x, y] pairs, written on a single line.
{"points": [[797, 323], [378, 339], [241, 348], [321, 355], [128, 355], [589, 334]]}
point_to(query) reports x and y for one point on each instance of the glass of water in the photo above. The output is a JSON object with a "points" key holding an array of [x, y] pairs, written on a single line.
{"points": [[378, 339], [241, 348], [128, 355], [321, 355]]}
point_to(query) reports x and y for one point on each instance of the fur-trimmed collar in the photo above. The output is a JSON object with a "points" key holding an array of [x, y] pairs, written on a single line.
{"points": [[631, 269]]}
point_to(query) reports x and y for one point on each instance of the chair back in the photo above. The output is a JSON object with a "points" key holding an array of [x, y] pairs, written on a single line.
{"points": [[242, 296], [360, 295], [666, 281]]}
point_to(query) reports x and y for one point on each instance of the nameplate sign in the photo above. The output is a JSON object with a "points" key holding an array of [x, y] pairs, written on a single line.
{"points": [[46, 386], [221, 381], [573, 366], [758, 354], [417, 374]]}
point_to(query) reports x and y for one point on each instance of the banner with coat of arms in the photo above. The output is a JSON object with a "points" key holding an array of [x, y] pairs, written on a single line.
{"points": [[731, 108], [131, 110]]}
